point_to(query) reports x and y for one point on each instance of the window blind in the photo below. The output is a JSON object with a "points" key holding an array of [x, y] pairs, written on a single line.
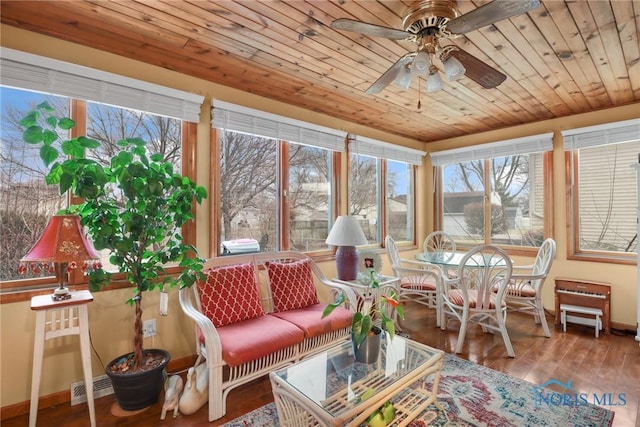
{"points": [[516, 146], [36, 73], [384, 150], [255, 122], [610, 133]]}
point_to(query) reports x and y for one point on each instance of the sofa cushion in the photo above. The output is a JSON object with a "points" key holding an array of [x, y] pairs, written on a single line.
{"points": [[252, 339], [230, 294], [292, 285], [309, 319]]}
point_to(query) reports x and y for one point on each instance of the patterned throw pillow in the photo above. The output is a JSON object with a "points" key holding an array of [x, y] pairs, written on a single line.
{"points": [[292, 285], [231, 295]]}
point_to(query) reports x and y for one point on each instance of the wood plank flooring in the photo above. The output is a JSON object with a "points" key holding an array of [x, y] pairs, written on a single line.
{"points": [[608, 364]]}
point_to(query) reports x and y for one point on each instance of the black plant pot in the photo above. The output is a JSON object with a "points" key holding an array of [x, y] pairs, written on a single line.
{"points": [[138, 390], [369, 349]]}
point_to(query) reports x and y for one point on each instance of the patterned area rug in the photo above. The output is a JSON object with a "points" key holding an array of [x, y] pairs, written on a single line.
{"points": [[473, 395]]}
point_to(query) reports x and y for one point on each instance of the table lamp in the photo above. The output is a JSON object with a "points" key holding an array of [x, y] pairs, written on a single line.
{"points": [[61, 247], [346, 234]]}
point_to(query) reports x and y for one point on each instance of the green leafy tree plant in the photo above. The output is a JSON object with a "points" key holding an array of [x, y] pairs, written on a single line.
{"points": [[134, 208]]}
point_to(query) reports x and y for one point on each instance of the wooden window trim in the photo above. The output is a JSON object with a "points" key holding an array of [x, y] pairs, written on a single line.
{"points": [[571, 164], [23, 289]]}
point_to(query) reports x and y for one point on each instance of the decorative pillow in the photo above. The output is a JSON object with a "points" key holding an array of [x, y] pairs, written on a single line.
{"points": [[292, 285], [231, 295]]}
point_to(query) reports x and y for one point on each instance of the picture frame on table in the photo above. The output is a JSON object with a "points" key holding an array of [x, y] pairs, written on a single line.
{"points": [[370, 260]]}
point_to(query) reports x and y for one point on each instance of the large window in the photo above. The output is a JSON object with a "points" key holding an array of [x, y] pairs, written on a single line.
{"points": [[489, 197], [105, 107], [278, 182], [275, 181], [604, 188], [365, 196], [381, 188], [248, 184]]}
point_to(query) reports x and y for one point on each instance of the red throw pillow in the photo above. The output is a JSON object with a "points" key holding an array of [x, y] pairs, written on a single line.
{"points": [[231, 295], [292, 285]]}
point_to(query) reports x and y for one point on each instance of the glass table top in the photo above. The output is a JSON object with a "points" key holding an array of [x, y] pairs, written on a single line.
{"points": [[453, 259], [335, 382]]}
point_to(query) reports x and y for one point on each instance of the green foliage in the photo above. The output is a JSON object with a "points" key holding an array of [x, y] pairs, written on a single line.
{"points": [[363, 321], [134, 207]]}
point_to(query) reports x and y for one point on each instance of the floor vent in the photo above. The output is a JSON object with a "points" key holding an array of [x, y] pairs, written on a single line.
{"points": [[101, 387]]}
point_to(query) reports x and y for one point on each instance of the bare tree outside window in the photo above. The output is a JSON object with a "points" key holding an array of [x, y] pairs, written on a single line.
{"points": [[399, 200], [309, 197], [514, 205], [26, 202], [248, 178], [364, 194]]}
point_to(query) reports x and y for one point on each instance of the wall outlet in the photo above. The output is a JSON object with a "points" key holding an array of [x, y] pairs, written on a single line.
{"points": [[149, 328]]}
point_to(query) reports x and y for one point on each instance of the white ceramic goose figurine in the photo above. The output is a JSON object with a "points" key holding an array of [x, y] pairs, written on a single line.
{"points": [[196, 390]]}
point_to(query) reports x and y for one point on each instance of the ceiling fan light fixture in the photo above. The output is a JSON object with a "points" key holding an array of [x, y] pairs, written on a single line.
{"points": [[403, 80], [453, 69], [434, 81], [420, 64]]}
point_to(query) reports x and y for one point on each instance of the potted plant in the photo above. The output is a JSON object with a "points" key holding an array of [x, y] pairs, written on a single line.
{"points": [[134, 208], [370, 310]]}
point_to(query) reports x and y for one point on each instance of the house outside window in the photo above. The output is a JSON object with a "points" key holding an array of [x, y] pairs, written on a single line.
{"points": [[487, 196], [603, 191]]}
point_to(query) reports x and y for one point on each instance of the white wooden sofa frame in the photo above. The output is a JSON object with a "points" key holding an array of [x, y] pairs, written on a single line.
{"points": [[224, 378]]}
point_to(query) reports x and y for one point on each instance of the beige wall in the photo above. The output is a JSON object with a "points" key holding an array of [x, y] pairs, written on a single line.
{"points": [[111, 320]]}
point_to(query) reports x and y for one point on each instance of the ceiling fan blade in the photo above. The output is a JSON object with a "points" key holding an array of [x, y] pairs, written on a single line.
{"points": [[490, 13], [390, 75], [479, 71], [370, 29]]}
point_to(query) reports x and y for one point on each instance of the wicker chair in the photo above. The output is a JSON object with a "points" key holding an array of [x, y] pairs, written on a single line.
{"points": [[524, 291], [477, 294]]}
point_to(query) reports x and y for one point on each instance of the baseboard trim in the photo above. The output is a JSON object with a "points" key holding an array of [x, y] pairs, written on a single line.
{"points": [[64, 397]]}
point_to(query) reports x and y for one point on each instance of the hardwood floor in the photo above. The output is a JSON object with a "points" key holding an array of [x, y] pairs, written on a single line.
{"points": [[608, 364]]}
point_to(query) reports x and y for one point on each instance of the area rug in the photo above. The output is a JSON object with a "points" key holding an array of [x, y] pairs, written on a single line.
{"points": [[472, 395]]}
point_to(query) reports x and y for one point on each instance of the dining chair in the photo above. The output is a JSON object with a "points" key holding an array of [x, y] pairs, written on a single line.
{"points": [[470, 298], [441, 242], [524, 290], [419, 282]]}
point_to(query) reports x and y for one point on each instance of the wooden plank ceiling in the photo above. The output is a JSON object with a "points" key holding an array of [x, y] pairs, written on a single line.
{"points": [[563, 58]]}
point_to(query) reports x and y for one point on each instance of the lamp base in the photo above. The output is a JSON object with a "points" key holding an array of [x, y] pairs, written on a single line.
{"points": [[347, 262], [60, 294]]}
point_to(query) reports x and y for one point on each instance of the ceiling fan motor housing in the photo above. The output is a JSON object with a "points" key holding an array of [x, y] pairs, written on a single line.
{"points": [[430, 17]]}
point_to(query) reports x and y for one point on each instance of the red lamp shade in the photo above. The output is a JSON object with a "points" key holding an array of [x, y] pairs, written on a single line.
{"points": [[63, 241]]}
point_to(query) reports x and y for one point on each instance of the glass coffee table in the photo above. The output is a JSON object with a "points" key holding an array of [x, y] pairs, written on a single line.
{"points": [[331, 389]]}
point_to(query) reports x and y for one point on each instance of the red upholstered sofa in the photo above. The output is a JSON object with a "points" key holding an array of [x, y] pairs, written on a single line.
{"points": [[257, 313]]}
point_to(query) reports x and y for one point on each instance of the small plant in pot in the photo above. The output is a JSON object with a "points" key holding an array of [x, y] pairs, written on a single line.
{"points": [[134, 208], [370, 311]]}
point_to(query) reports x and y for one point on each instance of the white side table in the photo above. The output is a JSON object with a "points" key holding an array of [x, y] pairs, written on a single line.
{"points": [[57, 319]]}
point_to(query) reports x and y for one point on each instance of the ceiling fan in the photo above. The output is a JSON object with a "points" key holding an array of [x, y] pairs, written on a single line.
{"points": [[427, 22]]}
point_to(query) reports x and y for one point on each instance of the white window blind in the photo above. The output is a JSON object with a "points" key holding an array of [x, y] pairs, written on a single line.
{"points": [[610, 133], [384, 150], [255, 122], [516, 146], [39, 74]]}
